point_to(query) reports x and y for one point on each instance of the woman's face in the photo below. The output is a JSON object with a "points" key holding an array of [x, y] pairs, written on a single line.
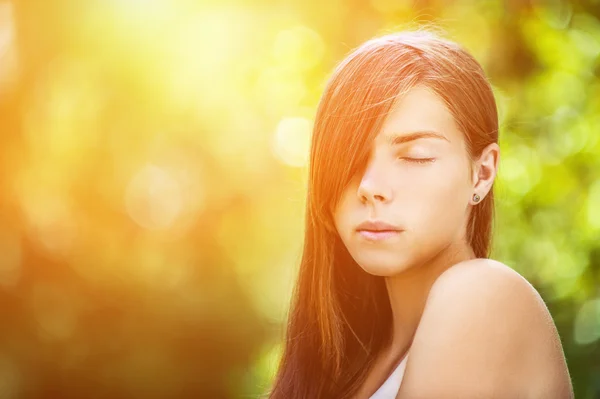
{"points": [[417, 185]]}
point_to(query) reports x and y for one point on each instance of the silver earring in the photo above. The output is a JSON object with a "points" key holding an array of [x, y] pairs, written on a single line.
{"points": [[476, 198]]}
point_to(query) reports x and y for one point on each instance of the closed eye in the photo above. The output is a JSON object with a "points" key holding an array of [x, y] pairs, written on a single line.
{"points": [[418, 160]]}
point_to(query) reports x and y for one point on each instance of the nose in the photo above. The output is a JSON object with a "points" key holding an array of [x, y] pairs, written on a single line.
{"points": [[372, 188]]}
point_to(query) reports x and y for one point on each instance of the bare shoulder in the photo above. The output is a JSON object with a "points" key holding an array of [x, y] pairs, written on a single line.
{"points": [[490, 281], [485, 332]]}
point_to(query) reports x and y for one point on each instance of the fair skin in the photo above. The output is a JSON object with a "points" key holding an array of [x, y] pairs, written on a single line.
{"points": [[463, 318]]}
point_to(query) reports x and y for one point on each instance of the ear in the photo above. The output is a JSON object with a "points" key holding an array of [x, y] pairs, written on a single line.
{"points": [[485, 169]]}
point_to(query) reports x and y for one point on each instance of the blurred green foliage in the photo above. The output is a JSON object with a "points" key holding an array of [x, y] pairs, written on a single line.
{"points": [[154, 171]]}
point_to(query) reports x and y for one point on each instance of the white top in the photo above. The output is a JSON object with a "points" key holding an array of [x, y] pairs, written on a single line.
{"points": [[389, 389]]}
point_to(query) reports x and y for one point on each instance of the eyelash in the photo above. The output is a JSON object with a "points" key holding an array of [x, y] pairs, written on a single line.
{"points": [[418, 160]]}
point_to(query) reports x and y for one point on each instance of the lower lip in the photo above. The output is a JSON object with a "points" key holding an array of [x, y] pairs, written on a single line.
{"points": [[378, 235]]}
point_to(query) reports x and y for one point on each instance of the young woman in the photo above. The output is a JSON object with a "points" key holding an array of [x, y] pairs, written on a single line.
{"points": [[396, 297]]}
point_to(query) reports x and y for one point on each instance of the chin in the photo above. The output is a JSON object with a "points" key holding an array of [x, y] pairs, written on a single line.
{"points": [[381, 265]]}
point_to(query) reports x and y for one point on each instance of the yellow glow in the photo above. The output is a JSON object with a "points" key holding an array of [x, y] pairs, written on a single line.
{"points": [[8, 50], [298, 48], [48, 210], [593, 205], [292, 141], [54, 310], [202, 53], [154, 198], [391, 6], [61, 118], [10, 261], [514, 173], [10, 379], [280, 89], [147, 10]]}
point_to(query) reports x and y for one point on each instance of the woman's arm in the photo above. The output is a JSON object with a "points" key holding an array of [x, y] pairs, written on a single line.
{"points": [[485, 333]]}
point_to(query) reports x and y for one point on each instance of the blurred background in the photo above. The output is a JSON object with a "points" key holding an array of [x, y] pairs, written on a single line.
{"points": [[153, 174]]}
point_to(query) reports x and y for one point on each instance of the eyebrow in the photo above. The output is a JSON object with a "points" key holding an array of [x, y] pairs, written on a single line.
{"points": [[401, 138]]}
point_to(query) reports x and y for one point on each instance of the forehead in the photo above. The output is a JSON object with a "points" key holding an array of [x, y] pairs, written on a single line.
{"points": [[420, 109]]}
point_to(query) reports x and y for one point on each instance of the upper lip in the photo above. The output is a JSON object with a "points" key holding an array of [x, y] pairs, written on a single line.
{"points": [[377, 225]]}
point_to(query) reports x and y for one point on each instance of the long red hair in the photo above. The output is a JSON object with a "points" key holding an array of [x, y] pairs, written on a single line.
{"points": [[340, 316]]}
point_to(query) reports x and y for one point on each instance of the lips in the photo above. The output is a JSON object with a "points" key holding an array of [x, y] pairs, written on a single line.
{"points": [[377, 226], [374, 230]]}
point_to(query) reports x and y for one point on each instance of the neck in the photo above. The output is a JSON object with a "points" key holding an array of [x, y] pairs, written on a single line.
{"points": [[408, 293]]}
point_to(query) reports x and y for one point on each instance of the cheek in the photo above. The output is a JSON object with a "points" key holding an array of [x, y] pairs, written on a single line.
{"points": [[441, 196], [449, 177], [342, 213]]}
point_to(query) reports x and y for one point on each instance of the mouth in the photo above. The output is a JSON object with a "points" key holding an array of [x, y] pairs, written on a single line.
{"points": [[378, 230], [379, 234]]}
